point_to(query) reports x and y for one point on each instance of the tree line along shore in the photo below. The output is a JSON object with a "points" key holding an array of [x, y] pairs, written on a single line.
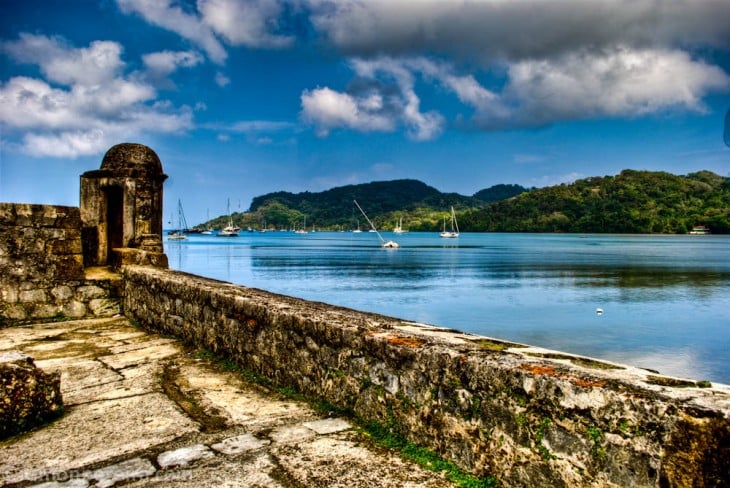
{"points": [[638, 202]]}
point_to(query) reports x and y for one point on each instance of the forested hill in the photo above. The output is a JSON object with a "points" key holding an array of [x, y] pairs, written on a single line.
{"points": [[384, 202], [631, 202], [499, 192], [378, 197]]}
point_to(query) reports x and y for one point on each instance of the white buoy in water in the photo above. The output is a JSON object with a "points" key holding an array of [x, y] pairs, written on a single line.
{"points": [[599, 311]]}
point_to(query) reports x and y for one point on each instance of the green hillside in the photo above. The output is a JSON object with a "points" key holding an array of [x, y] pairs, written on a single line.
{"points": [[383, 201], [631, 202], [499, 192]]}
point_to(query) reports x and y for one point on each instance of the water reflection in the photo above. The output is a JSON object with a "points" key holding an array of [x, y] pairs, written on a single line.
{"points": [[665, 297]]}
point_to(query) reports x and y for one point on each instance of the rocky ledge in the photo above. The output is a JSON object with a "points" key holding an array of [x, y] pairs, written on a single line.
{"points": [[28, 395]]}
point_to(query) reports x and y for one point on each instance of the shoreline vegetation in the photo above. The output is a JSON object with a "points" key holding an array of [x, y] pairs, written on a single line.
{"points": [[632, 202]]}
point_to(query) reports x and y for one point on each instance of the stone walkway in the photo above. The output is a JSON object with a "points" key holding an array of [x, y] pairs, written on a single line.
{"points": [[140, 410]]}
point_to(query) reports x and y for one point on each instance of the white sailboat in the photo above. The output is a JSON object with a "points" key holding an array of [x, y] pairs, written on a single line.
{"points": [[383, 242], [399, 228], [303, 230], [208, 231], [230, 230], [454, 232], [179, 233]]}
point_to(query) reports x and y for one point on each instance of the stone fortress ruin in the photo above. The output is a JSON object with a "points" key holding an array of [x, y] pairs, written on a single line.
{"points": [[121, 208], [526, 415]]}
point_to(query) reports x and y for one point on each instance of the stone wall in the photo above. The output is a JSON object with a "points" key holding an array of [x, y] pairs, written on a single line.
{"points": [[41, 267], [531, 417]]}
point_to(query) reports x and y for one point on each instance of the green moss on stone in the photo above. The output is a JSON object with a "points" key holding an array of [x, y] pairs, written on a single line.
{"points": [[671, 382], [498, 346], [578, 361]]}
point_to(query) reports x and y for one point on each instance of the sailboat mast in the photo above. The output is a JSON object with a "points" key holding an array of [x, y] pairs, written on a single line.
{"points": [[369, 222], [230, 217], [182, 223]]}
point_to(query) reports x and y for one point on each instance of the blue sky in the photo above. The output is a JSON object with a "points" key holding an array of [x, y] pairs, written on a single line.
{"points": [[244, 97]]}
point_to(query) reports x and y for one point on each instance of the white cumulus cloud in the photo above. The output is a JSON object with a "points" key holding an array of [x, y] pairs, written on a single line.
{"points": [[85, 104], [615, 83], [245, 22], [384, 101], [221, 79], [251, 23], [328, 109], [554, 61], [60, 63], [508, 63], [164, 63], [166, 14], [618, 82], [485, 30]]}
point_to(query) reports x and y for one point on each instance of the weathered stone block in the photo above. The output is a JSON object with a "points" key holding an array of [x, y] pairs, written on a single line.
{"points": [[9, 293], [62, 292], [28, 395], [53, 234], [28, 240], [104, 307], [67, 217], [15, 312], [131, 469], [74, 309], [64, 246], [32, 296], [89, 292], [44, 311], [7, 214], [158, 259], [23, 215], [130, 256], [45, 215], [69, 267]]}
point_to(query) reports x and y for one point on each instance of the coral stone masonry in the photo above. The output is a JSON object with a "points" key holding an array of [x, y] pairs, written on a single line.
{"points": [[41, 267], [529, 416], [121, 208]]}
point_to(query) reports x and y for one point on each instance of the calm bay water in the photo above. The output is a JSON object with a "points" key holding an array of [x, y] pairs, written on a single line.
{"points": [[666, 299]]}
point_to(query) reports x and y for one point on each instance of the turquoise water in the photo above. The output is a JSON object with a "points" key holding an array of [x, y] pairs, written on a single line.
{"points": [[666, 299]]}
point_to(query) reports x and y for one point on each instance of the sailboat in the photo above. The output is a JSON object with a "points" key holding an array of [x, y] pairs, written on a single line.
{"points": [[179, 233], [208, 231], [454, 232], [383, 242], [399, 228], [229, 230], [303, 230]]}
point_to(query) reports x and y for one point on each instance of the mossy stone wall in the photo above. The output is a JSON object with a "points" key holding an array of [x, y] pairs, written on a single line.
{"points": [[493, 408]]}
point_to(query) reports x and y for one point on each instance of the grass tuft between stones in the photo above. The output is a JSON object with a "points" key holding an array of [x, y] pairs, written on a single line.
{"points": [[380, 435], [427, 459]]}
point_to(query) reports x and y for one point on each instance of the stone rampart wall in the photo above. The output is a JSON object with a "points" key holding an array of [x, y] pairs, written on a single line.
{"points": [[530, 417], [41, 267]]}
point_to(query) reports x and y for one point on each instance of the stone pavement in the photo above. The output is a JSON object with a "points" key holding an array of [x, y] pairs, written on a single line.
{"points": [[142, 410]]}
